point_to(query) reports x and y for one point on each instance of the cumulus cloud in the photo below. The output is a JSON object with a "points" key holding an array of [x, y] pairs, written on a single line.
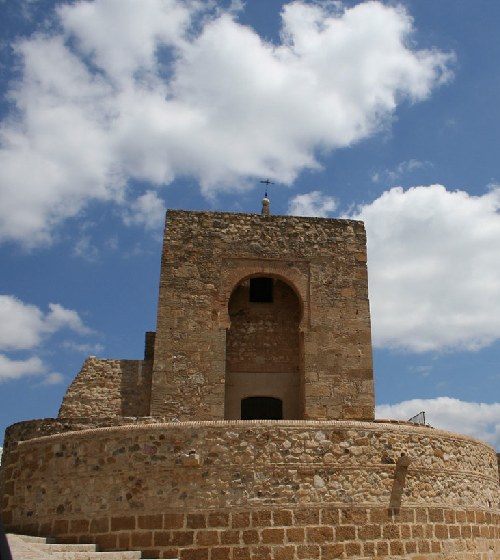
{"points": [[87, 349], [479, 420], [85, 249], [147, 210], [14, 369], [390, 176], [434, 268], [23, 327], [314, 203], [53, 378], [122, 91]]}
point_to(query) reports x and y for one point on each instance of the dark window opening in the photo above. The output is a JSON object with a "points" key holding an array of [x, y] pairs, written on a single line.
{"points": [[261, 408], [261, 290]]}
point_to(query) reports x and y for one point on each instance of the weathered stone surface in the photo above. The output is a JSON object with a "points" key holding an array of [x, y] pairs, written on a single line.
{"points": [[310, 347], [109, 388], [150, 455]]}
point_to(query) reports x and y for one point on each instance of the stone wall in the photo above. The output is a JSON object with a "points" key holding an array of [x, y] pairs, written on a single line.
{"points": [[264, 337], [268, 490], [206, 255], [105, 388], [312, 533]]}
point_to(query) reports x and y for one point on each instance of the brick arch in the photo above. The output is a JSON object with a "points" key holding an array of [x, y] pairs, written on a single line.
{"points": [[297, 280]]}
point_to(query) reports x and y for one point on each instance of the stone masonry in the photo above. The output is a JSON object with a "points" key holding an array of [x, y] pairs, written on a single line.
{"points": [[247, 432], [322, 263]]}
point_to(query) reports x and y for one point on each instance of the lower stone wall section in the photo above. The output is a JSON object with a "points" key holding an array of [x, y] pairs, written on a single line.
{"points": [[255, 490], [290, 534]]}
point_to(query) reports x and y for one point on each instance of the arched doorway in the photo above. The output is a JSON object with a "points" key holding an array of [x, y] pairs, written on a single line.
{"points": [[263, 358]]}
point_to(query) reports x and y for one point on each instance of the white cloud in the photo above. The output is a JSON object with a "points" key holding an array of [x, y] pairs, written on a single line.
{"points": [[147, 210], [23, 326], [479, 420], [85, 249], [149, 91], [86, 349], [390, 176], [314, 203], [59, 317], [423, 370], [15, 369], [53, 378], [434, 268]]}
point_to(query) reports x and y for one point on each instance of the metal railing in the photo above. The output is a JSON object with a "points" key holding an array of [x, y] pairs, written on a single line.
{"points": [[418, 418]]}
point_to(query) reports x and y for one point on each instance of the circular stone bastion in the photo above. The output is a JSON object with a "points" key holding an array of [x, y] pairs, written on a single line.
{"points": [[254, 490]]}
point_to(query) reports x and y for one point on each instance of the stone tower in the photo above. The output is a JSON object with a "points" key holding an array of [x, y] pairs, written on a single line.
{"points": [[256, 310], [248, 430]]}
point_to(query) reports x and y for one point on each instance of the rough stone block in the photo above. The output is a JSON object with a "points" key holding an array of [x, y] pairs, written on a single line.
{"points": [[261, 552], [308, 552], [196, 521], [436, 547], [369, 532], [352, 549], [106, 542], [295, 534], [173, 538], [436, 516], [397, 548], [391, 531], [194, 554], [353, 516], [369, 549], [59, 527], [173, 521], [379, 515], [141, 540], [240, 520], [282, 518], [207, 538], [123, 541], [250, 536], [77, 526], [220, 553], [441, 531], [306, 517], [424, 546], [284, 553], [345, 533], [218, 519], [241, 553], [150, 522], [319, 534], [230, 537], [261, 518], [124, 523], [273, 536]]}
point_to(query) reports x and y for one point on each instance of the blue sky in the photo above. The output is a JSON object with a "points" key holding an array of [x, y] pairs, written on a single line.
{"points": [[114, 110]]}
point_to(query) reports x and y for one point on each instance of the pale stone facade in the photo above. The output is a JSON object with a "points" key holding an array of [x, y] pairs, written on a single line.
{"points": [[262, 317]]}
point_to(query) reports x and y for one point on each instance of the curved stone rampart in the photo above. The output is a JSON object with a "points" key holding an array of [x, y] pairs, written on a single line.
{"points": [[174, 487]]}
